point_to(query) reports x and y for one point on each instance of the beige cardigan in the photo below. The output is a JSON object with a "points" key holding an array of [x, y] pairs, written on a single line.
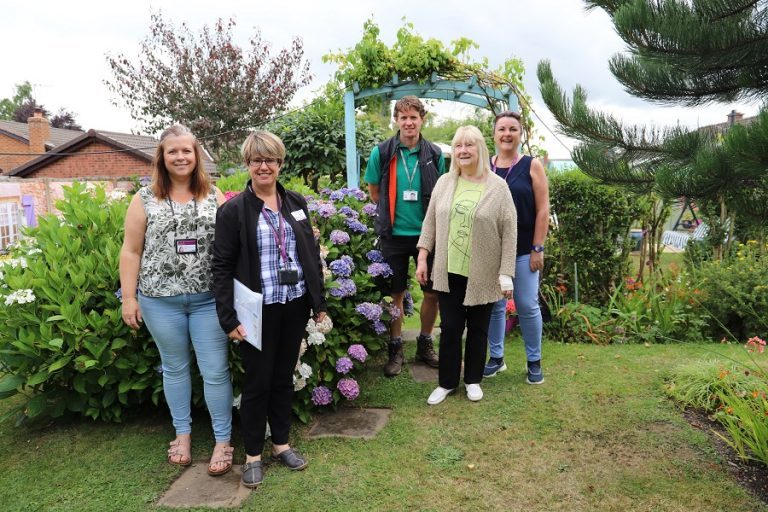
{"points": [[494, 238]]}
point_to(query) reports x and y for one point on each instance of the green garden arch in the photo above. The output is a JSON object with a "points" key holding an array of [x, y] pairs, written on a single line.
{"points": [[468, 91]]}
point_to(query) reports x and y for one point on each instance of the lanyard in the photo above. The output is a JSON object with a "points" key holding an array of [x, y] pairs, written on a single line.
{"points": [[173, 214], [279, 233], [409, 173], [512, 165]]}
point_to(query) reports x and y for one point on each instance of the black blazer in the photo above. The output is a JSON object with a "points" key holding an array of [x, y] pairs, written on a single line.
{"points": [[236, 251]]}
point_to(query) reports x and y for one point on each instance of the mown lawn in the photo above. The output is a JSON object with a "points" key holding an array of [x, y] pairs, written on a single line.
{"points": [[598, 435]]}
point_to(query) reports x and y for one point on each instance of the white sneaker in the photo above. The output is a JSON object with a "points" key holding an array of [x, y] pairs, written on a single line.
{"points": [[438, 395], [474, 392]]}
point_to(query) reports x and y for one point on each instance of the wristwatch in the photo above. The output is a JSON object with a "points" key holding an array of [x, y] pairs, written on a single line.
{"points": [[537, 248]]}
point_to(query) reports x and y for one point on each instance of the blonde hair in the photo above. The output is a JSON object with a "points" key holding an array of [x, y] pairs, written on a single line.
{"points": [[472, 134], [263, 143], [200, 184]]}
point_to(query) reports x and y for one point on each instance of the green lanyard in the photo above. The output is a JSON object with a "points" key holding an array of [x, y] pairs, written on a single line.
{"points": [[410, 174]]}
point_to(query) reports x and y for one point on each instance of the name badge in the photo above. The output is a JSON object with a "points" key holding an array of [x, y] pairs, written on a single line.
{"points": [[186, 246], [410, 195], [299, 215]]}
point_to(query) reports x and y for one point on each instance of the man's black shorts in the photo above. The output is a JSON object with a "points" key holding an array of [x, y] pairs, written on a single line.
{"points": [[397, 252]]}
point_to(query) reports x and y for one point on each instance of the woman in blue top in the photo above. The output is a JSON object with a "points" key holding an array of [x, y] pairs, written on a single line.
{"points": [[528, 183]]}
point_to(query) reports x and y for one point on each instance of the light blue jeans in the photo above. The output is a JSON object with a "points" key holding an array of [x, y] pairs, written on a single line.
{"points": [[179, 324], [526, 296]]}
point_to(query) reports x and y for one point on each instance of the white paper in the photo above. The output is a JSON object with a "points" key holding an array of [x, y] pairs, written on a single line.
{"points": [[248, 306]]}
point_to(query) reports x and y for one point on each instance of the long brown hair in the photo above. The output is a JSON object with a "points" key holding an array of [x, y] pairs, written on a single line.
{"points": [[200, 184]]}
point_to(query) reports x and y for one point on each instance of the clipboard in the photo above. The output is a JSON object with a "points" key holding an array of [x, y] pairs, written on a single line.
{"points": [[248, 306]]}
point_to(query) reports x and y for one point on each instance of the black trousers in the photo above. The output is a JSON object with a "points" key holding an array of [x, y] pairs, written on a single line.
{"points": [[268, 384], [454, 316]]}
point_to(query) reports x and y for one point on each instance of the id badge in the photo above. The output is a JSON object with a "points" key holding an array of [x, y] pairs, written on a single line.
{"points": [[186, 246], [287, 276], [410, 195]]}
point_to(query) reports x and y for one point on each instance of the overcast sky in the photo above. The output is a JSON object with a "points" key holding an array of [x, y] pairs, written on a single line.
{"points": [[60, 47]]}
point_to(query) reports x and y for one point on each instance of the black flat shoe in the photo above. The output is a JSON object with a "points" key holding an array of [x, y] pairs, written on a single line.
{"points": [[292, 459], [253, 474]]}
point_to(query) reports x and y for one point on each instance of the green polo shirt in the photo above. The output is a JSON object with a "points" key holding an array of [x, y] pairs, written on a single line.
{"points": [[409, 215]]}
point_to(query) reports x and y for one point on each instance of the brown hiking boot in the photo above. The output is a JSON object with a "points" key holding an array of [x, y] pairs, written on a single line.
{"points": [[425, 352], [396, 359]]}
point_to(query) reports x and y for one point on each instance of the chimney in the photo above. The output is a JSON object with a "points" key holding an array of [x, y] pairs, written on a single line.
{"points": [[734, 116], [39, 130]]}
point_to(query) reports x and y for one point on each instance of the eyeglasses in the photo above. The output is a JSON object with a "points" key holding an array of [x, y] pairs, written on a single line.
{"points": [[271, 162]]}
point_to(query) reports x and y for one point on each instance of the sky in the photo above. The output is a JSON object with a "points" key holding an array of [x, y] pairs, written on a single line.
{"points": [[61, 48]]}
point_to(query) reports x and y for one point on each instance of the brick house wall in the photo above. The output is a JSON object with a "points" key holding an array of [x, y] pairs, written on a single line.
{"points": [[11, 145], [108, 165]]}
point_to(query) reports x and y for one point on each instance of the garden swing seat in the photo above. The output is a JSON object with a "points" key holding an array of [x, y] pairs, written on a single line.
{"points": [[680, 239]]}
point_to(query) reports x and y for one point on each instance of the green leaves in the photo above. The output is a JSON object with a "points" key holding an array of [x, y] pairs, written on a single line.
{"points": [[70, 340]]}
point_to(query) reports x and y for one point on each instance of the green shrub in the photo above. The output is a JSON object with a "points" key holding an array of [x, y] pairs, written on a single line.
{"points": [[698, 384], [733, 292], [63, 344], [590, 247]]}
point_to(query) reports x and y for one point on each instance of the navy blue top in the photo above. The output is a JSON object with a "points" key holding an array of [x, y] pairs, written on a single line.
{"points": [[521, 186]]}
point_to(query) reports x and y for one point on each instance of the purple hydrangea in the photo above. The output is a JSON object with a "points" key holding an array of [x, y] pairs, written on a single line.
{"points": [[370, 209], [326, 210], [358, 194], [336, 195], [326, 191], [348, 212], [357, 352], [321, 395], [348, 388], [339, 237], [356, 226], [119, 294], [380, 270], [375, 256], [379, 327], [342, 267], [312, 205], [394, 311], [408, 303], [346, 288], [344, 191], [370, 311], [344, 365]]}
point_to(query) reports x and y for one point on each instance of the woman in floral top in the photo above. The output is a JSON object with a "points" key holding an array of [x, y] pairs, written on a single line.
{"points": [[165, 275]]}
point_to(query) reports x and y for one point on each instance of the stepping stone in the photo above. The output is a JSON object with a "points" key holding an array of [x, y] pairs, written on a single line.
{"points": [[350, 423], [422, 373], [196, 488]]}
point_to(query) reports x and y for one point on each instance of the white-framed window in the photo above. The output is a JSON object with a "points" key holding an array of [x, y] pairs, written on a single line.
{"points": [[10, 223]]}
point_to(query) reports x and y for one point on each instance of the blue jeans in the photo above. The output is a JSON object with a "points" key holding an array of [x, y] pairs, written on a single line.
{"points": [[526, 296], [178, 324]]}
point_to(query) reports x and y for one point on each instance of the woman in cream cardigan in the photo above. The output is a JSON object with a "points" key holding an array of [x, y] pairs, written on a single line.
{"points": [[471, 227]]}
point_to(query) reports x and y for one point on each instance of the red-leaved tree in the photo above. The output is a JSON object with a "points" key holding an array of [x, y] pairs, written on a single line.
{"points": [[207, 82]]}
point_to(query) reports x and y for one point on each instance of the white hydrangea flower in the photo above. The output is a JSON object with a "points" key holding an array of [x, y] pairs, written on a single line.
{"points": [[302, 348], [327, 274], [299, 384], [20, 296], [311, 326], [324, 251], [117, 194], [15, 262], [316, 338], [325, 326], [305, 370]]}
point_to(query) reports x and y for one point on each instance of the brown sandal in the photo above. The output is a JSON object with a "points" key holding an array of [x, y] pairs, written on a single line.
{"points": [[221, 454], [180, 453]]}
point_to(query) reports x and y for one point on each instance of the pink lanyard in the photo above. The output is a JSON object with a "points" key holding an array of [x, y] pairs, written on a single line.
{"points": [[517, 160]]}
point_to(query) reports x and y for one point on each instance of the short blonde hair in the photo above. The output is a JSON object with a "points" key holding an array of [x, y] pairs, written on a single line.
{"points": [[264, 144], [469, 133]]}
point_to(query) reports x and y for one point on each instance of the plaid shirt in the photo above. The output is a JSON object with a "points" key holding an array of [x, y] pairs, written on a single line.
{"points": [[271, 260]]}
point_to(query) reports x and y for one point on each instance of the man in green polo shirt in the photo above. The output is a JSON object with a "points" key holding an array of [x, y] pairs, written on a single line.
{"points": [[401, 173]]}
